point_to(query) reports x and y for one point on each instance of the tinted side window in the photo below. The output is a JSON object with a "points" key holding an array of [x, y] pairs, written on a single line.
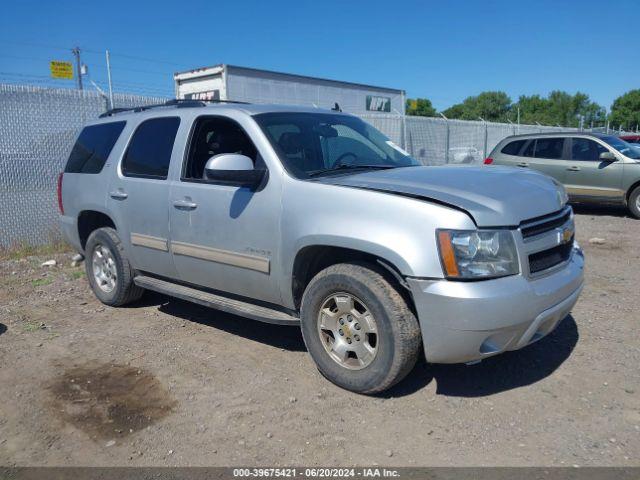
{"points": [[585, 149], [149, 151], [528, 152], [93, 147], [513, 148], [549, 148]]}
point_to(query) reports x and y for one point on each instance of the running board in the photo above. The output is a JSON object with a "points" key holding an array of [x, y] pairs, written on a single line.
{"points": [[236, 307]]}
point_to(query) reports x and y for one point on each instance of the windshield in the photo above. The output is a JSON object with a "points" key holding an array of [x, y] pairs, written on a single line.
{"points": [[316, 144], [622, 146]]}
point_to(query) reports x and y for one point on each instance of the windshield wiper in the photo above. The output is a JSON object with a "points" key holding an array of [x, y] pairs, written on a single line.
{"points": [[315, 173]]}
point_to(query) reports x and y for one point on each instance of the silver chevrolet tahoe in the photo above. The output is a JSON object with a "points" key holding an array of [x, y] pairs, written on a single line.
{"points": [[311, 217]]}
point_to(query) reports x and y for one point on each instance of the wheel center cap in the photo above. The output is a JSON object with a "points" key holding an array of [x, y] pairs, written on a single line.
{"points": [[346, 330]]}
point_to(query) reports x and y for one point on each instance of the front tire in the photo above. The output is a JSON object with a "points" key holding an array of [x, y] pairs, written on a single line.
{"points": [[108, 269], [634, 202], [358, 328]]}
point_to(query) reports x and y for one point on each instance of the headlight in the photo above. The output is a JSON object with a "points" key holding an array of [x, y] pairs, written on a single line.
{"points": [[563, 196], [477, 254]]}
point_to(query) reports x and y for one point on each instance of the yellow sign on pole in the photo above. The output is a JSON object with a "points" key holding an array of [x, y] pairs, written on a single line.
{"points": [[61, 70]]}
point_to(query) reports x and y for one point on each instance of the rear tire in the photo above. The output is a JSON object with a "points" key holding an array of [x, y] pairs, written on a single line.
{"points": [[634, 202], [108, 269], [355, 303]]}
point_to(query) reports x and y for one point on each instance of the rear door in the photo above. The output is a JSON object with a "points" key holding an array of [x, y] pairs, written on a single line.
{"points": [[590, 179], [510, 153], [139, 195], [546, 155]]}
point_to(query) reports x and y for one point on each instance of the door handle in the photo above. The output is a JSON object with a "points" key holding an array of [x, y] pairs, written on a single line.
{"points": [[185, 204], [523, 164], [573, 168], [118, 195]]}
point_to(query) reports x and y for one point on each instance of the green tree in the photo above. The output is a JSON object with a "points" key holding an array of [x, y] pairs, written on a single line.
{"points": [[421, 107], [492, 106], [559, 108], [625, 110], [591, 112], [455, 111], [532, 109]]}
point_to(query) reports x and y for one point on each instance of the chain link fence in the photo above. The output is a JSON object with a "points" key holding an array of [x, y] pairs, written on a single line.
{"points": [[38, 127], [438, 141]]}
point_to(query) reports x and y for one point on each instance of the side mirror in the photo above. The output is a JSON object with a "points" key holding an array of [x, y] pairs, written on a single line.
{"points": [[233, 169], [608, 157]]}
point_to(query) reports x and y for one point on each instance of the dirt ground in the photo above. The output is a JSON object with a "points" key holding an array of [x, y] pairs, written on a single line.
{"points": [[165, 382]]}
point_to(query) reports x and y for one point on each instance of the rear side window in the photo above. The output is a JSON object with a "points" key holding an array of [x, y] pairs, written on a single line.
{"points": [[549, 148], [149, 151], [513, 148], [528, 152], [93, 147]]}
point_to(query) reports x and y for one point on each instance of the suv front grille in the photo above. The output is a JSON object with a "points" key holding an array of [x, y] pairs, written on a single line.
{"points": [[551, 257], [540, 225]]}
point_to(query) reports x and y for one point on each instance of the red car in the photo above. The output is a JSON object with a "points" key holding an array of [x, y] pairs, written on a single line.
{"points": [[631, 138]]}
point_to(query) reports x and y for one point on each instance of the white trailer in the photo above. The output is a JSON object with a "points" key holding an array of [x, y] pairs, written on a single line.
{"points": [[230, 82]]}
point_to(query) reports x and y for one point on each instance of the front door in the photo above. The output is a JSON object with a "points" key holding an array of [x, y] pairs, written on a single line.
{"points": [[224, 237], [139, 195], [590, 179]]}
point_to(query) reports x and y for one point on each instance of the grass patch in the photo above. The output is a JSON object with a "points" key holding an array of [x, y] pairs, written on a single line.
{"points": [[77, 274], [22, 250], [30, 327], [41, 281]]}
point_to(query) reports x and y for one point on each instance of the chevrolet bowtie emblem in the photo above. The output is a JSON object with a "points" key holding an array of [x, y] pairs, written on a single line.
{"points": [[567, 234]]}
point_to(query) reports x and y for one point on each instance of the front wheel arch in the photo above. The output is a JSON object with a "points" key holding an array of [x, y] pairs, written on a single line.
{"points": [[312, 259]]}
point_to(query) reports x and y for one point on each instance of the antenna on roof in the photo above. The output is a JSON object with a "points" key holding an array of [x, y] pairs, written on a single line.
{"points": [[336, 107]]}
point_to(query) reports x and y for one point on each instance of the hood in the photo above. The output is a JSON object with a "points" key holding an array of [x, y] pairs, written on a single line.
{"points": [[493, 196]]}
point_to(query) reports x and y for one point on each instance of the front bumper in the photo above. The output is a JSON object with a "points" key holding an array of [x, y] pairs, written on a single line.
{"points": [[468, 321]]}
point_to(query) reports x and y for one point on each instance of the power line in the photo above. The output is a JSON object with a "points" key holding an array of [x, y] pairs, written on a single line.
{"points": [[134, 57], [135, 70], [32, 44], [123, 69], [94, 51], [127, 87], [164, 89], [17, 57]]}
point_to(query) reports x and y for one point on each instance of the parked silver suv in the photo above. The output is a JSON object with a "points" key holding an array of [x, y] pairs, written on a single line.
{"points": [[594, 168], [313, 218]]}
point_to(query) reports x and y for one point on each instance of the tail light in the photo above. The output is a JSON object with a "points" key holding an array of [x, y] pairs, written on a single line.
{"points": [[488, 161], [60, 206]]}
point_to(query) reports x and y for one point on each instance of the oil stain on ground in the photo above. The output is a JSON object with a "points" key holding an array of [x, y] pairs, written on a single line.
{"points": [[108, 400]]}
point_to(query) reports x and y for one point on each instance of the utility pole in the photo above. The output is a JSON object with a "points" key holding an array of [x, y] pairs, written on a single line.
{"points": [[76, 53], [109, 78]]}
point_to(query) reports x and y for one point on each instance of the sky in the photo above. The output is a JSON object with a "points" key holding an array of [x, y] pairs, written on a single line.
{"points": [[441, 50]]}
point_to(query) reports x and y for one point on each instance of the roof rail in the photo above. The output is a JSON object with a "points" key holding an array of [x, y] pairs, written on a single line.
{"points": [[176, 102]]}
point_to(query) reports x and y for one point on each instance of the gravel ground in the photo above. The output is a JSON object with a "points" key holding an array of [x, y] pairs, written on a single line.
{"points": [[164, 382]]}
